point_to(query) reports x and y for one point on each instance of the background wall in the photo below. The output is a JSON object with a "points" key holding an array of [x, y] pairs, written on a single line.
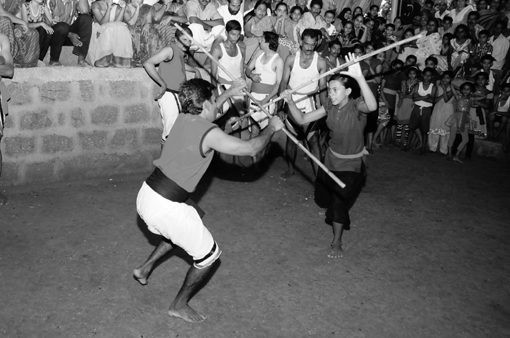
{"points": [[71, 122]]}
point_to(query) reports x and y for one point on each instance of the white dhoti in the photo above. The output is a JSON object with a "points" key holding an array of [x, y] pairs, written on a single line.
{"points": [[260, 117], [203, 37], [169, 107]]}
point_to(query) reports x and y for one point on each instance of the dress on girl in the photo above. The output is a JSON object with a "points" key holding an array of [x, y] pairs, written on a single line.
{"points": [[439, 133]]}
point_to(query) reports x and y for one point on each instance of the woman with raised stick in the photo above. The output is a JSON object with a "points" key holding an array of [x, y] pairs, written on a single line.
{"points": [[346, 113]]}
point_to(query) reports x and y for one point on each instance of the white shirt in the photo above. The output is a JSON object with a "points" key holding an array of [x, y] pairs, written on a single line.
{"points": [[500, 49], [225, 14]]}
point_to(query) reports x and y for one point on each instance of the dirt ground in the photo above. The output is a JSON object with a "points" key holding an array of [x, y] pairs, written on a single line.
{"points": [[428, 256]]}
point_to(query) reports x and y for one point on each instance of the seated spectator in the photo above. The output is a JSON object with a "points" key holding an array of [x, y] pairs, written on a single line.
{"points": [[459, 14], [399, 28], [373, 13], [444, 59], [72, 27], [145, 38], [333, 26], [490, 17], [232, 11], [36, 14], [311, 19], [285, 27], [347, 38], [428, 45], [442, 12], [160, 19], [447, 26], [110, 44], [205, 21], [255, 28], [333, 54], [24, 41], [483, 47], [473, 27]]}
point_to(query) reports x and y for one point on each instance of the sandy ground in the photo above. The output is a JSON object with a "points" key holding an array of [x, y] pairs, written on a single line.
{"points": [[428, 256]]}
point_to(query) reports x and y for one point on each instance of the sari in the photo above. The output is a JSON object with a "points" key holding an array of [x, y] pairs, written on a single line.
{"points": [[165, 31], [460, 17], [488, 20], [143, 46], [24, 45], [110, 43]]}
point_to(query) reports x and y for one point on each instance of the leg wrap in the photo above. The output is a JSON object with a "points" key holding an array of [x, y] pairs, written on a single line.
{"points": [[208, 259]]}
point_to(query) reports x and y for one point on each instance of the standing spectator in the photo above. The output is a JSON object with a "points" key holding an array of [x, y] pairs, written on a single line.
{"points": [[24, 40], [460, 120], [499, 44], [405, 105], [6, 70], [72, 27], [439, 132]]}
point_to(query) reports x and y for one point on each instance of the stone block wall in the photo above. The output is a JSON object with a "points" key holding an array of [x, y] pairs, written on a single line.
{"points": [[71, 122]]}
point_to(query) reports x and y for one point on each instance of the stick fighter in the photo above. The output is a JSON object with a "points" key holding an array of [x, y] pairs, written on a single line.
{"points": [[163, 201]]}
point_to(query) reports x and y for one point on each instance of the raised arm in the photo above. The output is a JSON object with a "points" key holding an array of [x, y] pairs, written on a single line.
{"points": [[370, 103]]}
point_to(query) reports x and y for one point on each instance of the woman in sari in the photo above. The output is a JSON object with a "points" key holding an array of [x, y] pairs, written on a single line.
{"points": [[24, 41], [146, 42], [489, 17], [460, 50], [111, 41], [460, 13], [255, 28], [160, 17]]}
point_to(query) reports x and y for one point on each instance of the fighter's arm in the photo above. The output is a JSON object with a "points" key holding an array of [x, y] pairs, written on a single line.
{"points": [[370, 103], [165, 54], [322, 68], [300, 117], [7, 68], [279, 74], [242, 47], [190, 69], [216, 139], [251, 67]]}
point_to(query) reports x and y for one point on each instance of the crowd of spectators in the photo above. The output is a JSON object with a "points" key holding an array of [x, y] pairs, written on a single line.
{"points": [[463, 41]]}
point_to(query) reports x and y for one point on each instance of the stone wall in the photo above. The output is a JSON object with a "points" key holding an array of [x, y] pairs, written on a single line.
{"points": [[71, 122]]}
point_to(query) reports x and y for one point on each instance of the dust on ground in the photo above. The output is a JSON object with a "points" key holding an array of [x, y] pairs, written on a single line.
{"points": [[427, 256]]}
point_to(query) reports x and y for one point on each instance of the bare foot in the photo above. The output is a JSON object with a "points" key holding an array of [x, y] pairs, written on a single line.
{"points": [[336, 251], [456, 159], [140, 277], [187, 313], [286, 175], [3, 200]]}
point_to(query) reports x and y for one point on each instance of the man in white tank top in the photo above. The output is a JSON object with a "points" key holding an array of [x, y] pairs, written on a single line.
{"points": [[298, 69], [230, 54], [266, 70], [7, 70]]}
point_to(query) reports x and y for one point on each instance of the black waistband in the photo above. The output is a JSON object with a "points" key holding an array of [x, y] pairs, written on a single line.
{"points": [[170, 190]]}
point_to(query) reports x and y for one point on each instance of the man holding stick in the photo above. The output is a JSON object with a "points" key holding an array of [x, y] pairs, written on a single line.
{"points": [[163, 201], [302, 67], [346, 116]]}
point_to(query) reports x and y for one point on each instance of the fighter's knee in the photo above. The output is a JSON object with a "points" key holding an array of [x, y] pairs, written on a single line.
{"points": [[208, 259]]}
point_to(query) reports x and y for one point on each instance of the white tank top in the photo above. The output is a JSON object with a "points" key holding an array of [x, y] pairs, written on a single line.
{"points": [[267, 75], [423, 92], [232, 64], [299, 75], [504, 108]]}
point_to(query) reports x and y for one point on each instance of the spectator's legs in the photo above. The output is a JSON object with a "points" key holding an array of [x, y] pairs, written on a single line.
{"points": [[501, 127], [465, 139], [44, 42], [470, 146], [83, 27], [451, 141], [60, 31]]}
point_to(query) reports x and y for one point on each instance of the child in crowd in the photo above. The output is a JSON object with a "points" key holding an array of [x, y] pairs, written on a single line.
{"points": [[447, 26], [431, 62], [477, 112], [405, 105], [285, 26], [409, 48], [501, 114], [460, 119], [492, 74], [445, 57], [423, 97], [439, 133], [333, 26], [481, 48]]}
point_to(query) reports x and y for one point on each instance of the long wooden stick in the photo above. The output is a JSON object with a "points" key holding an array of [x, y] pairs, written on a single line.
{"points": [[289, 135], [337, 69]]}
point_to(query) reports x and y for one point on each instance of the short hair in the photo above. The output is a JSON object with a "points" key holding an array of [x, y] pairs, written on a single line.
{"points": [[475, 13], [447, 72], [335, 42], [485, 75], [397, 62], [433, 59], [428, 70], [316, 2], [467, 83], [311, 33], [488, 57], [178, 32], [233, 25], [448, 18], [272, 39], [281, 3], [359, 46], [330, 12], [409, 30], [358, 15], [409, 57], [390, 25], [434, 20], [374, 6], [192, 95], [296, 8], [413, 68], [448, 35], [484, 32], [347, 82]]}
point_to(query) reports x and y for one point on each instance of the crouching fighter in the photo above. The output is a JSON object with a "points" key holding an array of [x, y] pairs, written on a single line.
{"points": [[163, 201]]}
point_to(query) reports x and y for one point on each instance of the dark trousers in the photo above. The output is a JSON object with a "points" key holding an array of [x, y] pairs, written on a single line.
{"points": [[81, 26]]}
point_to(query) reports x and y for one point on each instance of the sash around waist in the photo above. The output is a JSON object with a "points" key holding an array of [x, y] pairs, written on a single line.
{"points": [[261, 88], [350, 156]]}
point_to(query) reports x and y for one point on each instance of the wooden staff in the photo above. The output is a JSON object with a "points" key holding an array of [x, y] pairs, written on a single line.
{"points": [[289, 135], [334, 70]]}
